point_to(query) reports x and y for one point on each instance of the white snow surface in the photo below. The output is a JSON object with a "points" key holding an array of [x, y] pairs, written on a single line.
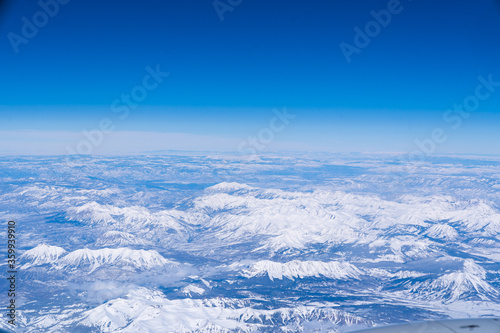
{"points": [[146, 310], [88, 259], [40, 255], [93, 259], [269, 249], [302, 269]]}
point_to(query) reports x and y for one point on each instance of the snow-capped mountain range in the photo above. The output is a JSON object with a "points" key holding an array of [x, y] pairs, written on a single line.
{"points": [[280, 243]]}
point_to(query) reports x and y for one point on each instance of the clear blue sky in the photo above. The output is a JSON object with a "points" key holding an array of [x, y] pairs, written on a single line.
{"points": [[227, 76]]}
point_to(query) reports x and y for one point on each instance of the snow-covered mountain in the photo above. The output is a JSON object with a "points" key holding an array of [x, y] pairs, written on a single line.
{"points": [[120, 239], [289, 243], [148, 311], [278, 218], [467, 283], [84, 259], [442, 231], [302, 269], [41, 255], [89, 260]]}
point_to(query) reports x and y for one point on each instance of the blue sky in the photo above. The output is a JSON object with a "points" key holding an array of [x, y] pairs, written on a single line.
{"points": [[226, 77]]}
